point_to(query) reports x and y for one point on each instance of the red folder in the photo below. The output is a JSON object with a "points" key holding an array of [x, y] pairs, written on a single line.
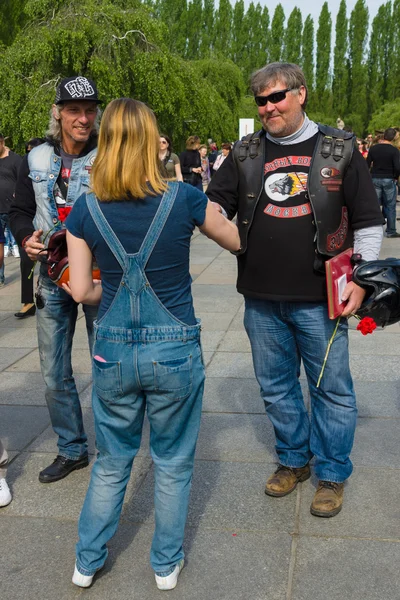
{"points": [[339, 272]]}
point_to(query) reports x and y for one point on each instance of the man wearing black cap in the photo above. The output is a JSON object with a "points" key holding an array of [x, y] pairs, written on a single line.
{"points": [[51, 178]]}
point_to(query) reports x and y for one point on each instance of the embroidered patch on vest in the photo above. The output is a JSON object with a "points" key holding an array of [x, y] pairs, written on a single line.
{"points": [[335, 241], [288, 212], [331, 179]]}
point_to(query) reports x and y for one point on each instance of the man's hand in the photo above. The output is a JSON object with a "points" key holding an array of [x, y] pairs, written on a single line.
{"points": [[33, 245], [196, 170], [355, 295]]}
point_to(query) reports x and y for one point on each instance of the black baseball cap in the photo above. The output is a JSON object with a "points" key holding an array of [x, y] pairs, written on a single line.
{"points": [[76, 88]]}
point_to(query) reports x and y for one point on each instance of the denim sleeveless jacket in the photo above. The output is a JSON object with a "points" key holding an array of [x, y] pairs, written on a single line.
{"points": [[44, 169]]}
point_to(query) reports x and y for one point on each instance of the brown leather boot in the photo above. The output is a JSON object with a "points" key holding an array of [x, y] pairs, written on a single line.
{"points": [[328, 499], [285, 479]]}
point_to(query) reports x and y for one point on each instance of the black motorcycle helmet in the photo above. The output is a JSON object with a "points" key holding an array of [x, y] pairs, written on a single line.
{"points": [[381, 280]]}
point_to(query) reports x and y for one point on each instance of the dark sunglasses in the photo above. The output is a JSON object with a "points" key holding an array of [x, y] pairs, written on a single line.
{"points": [[274, 98]]}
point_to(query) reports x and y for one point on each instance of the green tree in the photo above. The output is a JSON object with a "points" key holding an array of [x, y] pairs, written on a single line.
{"points": [[174, 14], [358, 33], [277, 33], [222, 28], [394, 58], [12, 18], [378, 59], [123, 49], [322, 75], [239, 34], [207, 29], [307, 53], [387, 115], [340, 72], [266, 34], [194, 18], [292, 39]]}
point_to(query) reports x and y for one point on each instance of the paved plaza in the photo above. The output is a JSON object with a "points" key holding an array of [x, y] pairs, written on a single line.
{"points": [[240, 544]]}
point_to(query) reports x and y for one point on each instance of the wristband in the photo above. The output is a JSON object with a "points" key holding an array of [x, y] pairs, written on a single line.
{"points": [[23, 244]]}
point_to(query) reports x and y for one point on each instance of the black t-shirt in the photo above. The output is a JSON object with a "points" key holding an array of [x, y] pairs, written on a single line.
{"points": [[278, 263], [9, 166], [385, 160]]}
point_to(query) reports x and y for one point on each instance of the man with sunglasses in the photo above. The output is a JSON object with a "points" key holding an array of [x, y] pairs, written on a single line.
{"points": [[52, 177], [301, 195]]}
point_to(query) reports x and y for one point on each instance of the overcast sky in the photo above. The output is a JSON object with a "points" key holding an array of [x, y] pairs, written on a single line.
{"points": [[313, 8]]}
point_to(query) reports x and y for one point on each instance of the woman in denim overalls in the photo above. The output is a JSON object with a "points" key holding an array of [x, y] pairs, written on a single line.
{"points": [[144, 356]]}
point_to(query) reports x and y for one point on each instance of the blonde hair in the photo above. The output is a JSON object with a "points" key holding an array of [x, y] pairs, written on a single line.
{"points": [[127, 163], [192, 142]]}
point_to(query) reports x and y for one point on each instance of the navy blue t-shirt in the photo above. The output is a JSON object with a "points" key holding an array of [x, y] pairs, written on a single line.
{"points": [[168, 266]]}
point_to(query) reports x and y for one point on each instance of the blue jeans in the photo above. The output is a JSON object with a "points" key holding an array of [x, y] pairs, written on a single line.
{"points": [[387, 194], [10, 241], [281, 335], [168, 379], [56, 326]]}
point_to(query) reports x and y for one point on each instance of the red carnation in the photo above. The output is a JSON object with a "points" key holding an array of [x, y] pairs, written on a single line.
{"points": [[366, 325]]}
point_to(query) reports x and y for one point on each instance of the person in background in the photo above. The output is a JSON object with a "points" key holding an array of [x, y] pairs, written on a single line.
{"points": [[191, 162], [212, 157], [51, 178], [5, 494], [169, 159], [384, 163], [363, 148], [9, 165], [226, 148], [205, 167], [28, 308], [2, 242], [147, 354]]}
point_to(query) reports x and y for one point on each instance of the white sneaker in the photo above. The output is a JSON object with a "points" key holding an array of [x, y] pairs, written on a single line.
{"points": [[5, 494], [15, 251], [6, 251], [81, 580], [169, 582]]}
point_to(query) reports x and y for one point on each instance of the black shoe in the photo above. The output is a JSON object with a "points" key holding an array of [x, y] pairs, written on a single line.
{"points": [[27, 313], [393, 235], [62, 467]]}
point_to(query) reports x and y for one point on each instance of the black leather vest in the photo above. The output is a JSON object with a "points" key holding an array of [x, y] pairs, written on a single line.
{"points": [[332, 154]]}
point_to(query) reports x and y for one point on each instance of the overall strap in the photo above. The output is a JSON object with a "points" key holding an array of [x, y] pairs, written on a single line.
{"points": [[157, 225], [105, 229]]}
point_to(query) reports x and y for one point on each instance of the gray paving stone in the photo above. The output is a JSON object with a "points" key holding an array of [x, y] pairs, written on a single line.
{"points": [[28, 388], [81, 362], [376, 443], [20, 425], [225, 496], [220, 271], [370, 507], [375, 368], [235, 341], [34, 499], [210, 340], [237, 323], [231, 364], [47, 441], [378, 398], [216, 298], [13, 337], [233, 437], [380, 343], [229, 395], [12, 322], [9, 356], [213, 321], [346, 570]]}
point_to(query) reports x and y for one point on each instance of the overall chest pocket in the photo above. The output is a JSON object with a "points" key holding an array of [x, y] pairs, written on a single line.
{"points": [[38, 176], [173, 378], [107, 380]]}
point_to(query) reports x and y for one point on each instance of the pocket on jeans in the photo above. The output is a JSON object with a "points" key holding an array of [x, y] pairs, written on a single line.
{"points": [[173, 378], [107, 380]]}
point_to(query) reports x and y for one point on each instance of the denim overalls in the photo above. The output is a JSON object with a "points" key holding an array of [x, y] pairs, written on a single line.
{"points": [[145, 357]]}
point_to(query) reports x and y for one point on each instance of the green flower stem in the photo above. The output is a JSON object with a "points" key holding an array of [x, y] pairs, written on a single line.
{"points": [[327, 351]]}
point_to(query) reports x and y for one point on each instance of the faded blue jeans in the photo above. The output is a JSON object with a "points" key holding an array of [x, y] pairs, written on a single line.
{"points": [[386, 191], [10, 241], [282, 334], [55, 327]]}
